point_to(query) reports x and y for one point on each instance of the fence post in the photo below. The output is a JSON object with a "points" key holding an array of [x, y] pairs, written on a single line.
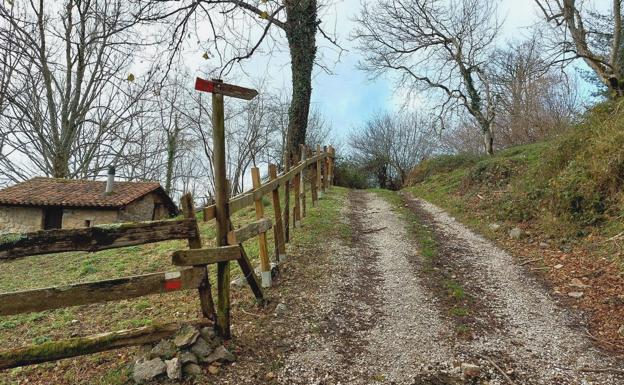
{"points": [[222, 214], [325, 163], [319, 181], [302, 183], [286, 214], [265, 266], [205, 292], [278, 229], [312, 178], [297, 203], [332, 162]]}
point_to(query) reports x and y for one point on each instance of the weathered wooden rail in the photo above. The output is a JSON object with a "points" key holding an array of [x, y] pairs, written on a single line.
{"points": [[317, 171]]}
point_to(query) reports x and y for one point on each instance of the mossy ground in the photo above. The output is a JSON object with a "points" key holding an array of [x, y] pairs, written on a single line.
{"points": [[61, 269]]}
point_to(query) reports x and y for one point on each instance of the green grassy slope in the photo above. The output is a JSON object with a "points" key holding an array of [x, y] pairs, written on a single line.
{"points": [[568, 189], [61, 269]]}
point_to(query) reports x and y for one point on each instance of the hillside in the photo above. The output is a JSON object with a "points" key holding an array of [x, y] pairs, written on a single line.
{"points": [[556, 204]]}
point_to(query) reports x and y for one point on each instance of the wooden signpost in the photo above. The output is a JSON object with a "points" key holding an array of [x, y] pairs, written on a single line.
{"points": [[219, 90]]}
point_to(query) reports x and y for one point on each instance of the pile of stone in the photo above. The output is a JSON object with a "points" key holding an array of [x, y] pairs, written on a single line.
{"points": [[181, 356]]}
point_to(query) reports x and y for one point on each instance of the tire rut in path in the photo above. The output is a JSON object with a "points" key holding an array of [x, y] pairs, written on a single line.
{"points": [[381, 325], [539, 340]]}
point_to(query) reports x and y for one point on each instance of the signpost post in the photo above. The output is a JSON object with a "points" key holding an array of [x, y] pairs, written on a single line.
{"points": [[219, 90]]}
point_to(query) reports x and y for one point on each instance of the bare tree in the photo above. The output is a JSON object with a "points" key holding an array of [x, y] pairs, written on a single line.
{"points": [[584, 33], [390, 145], [230, 22], [319, 129], [9, 57], [435, 45], [535, 101], [71, 102], [318, 132]]}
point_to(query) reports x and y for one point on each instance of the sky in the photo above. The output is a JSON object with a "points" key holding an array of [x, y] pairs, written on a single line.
{"points": [[347, 97]]}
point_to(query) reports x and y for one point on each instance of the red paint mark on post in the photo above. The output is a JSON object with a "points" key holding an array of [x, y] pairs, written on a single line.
{"points": [[173, 281], [204, 85], [175, 284], [218, 87]]}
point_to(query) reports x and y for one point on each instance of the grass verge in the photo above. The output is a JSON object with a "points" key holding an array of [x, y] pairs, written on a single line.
{"points": [[113, 367]]}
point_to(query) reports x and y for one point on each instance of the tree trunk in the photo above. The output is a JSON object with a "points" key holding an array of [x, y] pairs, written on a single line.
{"points": [[301, 24], [300, 31], [488, 139], [60, 165], [172, 149]]}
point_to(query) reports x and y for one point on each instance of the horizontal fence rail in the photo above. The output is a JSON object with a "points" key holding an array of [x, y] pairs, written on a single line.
{"points": [[73, 347], [192, 262], [94, 238], [99, 291], [248, 198]]}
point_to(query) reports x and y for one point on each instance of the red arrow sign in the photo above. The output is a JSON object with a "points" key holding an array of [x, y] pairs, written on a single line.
{"points": [[218, 87]]}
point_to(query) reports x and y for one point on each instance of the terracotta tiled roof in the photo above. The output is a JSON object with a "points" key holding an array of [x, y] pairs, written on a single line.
{"points": [[74, 193]]}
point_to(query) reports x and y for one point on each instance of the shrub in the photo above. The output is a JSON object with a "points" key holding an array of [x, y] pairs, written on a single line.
{"points": [[349, 174]]}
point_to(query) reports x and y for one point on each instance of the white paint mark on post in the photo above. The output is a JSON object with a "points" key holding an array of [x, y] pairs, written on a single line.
{"points": [[266, 279]]}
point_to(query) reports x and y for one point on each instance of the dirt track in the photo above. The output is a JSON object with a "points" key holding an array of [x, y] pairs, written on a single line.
{"points": [[387, 320]]}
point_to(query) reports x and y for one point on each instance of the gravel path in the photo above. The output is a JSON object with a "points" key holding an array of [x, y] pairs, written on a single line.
{"points": [[543, 342], [379, 321]]}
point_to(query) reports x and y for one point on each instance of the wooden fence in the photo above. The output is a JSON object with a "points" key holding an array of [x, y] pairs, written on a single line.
{"points": [[315, 170]]}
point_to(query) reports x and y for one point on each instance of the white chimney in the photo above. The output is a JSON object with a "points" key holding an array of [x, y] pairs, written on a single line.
{"points": [[110, 180]]}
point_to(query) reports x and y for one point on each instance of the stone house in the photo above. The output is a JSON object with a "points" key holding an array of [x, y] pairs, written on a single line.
{"points": [[49, 203]]}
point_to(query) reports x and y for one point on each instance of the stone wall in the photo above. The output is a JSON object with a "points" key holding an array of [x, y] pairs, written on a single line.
{"points": [[76, 218], [140, 210], [16, 219]]}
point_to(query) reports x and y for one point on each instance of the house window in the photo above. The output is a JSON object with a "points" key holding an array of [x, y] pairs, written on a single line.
{"points": [[88, 223]]}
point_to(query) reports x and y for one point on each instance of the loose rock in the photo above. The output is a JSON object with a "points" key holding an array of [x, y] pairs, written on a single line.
{"points": [[578, 284], [187, 357], [470, 370], [191, 370], [621, 331], [186, 336], [208, 333], [174, 368], [164, 349], [576, 294], [281, 309], [238, 282], [213, 369], [220, 354], [515, 233], [202, 349], [558, 266], [494, 226], [147, 370]]}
